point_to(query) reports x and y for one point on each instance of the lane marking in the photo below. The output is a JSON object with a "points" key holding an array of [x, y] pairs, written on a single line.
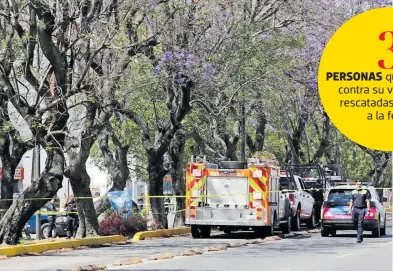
{"points": [[286, 270], [345, 255]]}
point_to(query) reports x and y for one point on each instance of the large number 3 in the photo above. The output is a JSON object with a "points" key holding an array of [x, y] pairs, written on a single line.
{"points": [[381, 63]]}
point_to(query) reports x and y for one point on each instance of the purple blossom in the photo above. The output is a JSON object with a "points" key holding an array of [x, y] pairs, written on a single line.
{"points": [[270, 128], [156, 70], [167, 56], [207, 71], [264, 37], [189, 2]]}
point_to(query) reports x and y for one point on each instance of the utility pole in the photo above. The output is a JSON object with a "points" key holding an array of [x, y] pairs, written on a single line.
{"points": [[35, 177], [243, 135]]}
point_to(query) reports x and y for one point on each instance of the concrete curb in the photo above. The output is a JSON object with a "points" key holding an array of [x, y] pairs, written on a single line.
{"points": [[41, 247], [160, 233]]}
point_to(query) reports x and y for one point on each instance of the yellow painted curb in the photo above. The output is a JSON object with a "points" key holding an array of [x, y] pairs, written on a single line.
{"points": [[40, 247], [388, 209], [160, 233]]}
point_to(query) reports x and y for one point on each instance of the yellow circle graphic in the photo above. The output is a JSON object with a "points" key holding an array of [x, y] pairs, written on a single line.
{"points": [[355, 79]]}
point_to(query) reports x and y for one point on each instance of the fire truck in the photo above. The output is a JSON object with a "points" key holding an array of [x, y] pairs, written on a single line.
{"points": [[232, 196]]}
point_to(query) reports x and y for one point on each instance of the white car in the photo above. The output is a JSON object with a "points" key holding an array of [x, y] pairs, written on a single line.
{"points": [[302, 203]]}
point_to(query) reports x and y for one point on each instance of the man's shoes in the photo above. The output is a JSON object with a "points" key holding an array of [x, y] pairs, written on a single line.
{"points": [[359, 241]]}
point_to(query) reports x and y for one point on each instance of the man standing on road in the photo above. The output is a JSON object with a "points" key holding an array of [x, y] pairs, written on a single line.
{"points": [[70, 206], [359, 206], [51, 218]]}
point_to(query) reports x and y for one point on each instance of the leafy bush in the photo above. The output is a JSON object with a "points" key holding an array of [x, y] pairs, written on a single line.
{"points": [[118, 225]]}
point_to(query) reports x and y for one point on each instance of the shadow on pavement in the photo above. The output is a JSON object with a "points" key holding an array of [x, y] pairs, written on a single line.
{"points": [[387, 236]]}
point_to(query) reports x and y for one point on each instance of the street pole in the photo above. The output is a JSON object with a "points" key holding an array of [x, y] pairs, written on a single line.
{"points": [[243, 135], [36, 171]]}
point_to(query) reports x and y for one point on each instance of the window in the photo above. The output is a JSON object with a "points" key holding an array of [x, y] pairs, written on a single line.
{"points": [[285, 183], [340, 195], [302, 184]]}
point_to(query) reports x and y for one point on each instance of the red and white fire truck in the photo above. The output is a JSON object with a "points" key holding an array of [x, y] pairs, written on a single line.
{"points": [[234, 196]]}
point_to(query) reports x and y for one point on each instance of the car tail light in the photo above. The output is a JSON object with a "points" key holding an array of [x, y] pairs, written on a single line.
{"points": [[325, 208], [373, 211], [192, 212], [292, 198]]}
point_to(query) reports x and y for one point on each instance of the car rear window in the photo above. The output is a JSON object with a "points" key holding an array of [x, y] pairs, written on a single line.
{"points": [[313, 185], [285, 183], [339, 195]]}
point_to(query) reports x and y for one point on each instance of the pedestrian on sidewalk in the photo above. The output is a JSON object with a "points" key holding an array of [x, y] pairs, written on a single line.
{"points": [[26, 231], [72, 216], [50, 207], [359, 206]]}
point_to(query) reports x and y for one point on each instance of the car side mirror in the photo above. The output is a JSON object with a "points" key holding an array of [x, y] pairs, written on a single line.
{"points": [[384, 199]]}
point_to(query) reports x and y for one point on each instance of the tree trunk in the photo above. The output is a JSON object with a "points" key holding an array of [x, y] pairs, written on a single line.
{"points": [[156, 188], [116, 165], [176, 151], [23, 208], [259, 135], [381, 161], [88, 223], [76, 172], [7, 185], [324, 143]]}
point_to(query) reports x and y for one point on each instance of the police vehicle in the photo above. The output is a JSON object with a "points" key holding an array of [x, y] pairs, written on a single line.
{"points": [[335, 213]]}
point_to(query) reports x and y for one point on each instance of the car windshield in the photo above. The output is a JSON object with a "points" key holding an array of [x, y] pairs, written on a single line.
{"points": [[340, 195], [285, 183]]}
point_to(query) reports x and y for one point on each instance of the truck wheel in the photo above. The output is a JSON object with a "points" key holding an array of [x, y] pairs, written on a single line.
{"points": [[377, 231], [324, 232], [296, 221], [383, 230], [311, 222], [286, 227], [195, 231], [205, 231]]}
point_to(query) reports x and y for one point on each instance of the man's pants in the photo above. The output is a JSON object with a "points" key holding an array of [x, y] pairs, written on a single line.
{"points": [[71, 227], [26, 231], [52, 226], [358, 218]]}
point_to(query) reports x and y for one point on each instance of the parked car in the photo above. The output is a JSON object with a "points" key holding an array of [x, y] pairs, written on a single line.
{"points": [[61, 225], [302, 203], [335, 213]]}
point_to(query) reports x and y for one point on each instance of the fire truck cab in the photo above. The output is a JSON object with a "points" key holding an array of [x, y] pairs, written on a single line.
{"points": [[235, 196]]}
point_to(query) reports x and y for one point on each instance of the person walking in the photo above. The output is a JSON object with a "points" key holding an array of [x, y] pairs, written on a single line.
{"points": [[51, 217], [359, 206]]}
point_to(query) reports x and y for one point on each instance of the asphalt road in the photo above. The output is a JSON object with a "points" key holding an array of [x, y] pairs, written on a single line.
{"points": [[315, 253]]}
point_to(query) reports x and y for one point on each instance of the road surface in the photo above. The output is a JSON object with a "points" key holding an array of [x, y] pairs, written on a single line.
{"points": [[315, 253]]}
